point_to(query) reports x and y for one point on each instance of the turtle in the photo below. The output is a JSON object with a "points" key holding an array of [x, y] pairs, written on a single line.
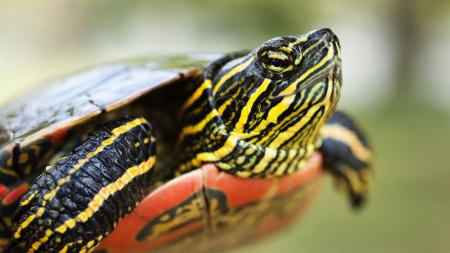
{"points": [[198, 151]]}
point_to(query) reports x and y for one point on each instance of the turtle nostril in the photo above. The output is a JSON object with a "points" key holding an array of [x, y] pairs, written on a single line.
{"points": [[326, 40]]}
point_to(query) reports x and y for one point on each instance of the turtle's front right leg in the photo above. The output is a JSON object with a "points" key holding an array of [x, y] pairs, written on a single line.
{"points": [[74, 204]]}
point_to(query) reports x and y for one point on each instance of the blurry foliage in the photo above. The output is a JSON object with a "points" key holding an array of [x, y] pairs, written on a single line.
{"points": [[411, 23], [270, 18], [86, 31], [261, 18]]}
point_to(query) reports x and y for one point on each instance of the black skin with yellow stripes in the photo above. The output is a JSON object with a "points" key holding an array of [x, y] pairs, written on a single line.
{"points": [[79, 200], [253, 114]]}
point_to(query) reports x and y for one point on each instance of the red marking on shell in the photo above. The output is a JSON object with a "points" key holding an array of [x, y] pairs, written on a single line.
{"points": [[15, 194], [239, 192], [59, 135], [3, 191], [171, 194]]}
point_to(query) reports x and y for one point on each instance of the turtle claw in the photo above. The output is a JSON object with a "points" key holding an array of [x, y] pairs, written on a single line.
{"points": [[356, 185]]}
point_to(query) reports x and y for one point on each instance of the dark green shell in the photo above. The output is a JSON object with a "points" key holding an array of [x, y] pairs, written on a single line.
{"points": [[81, 96], [35, 123]]}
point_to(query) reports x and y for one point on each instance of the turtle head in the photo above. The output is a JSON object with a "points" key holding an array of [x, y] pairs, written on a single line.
{"points": [[279, 94], [258, 113]]}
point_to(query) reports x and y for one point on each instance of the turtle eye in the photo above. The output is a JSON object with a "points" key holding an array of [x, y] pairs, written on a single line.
{"points": [[276, 61]]}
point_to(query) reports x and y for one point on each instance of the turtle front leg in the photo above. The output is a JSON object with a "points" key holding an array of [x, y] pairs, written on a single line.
{"points": [[74, 204], [348, 156]]}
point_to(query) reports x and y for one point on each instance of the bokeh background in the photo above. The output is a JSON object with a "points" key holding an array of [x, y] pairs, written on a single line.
{"points": [[396, 57]]}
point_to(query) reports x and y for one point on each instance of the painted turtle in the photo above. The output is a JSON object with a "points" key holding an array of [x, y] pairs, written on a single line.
{"points": [[234, 134]]}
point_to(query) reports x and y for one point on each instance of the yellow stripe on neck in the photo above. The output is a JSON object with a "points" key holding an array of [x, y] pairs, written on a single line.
{"points": [[239, 68]]}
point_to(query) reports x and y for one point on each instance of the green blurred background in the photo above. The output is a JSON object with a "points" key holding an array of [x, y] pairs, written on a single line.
{"points": [[396, 80]]}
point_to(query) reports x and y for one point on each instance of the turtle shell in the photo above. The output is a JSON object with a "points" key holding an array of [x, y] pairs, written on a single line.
{"points": [[207, 210], [43, 125], [36, 126]]}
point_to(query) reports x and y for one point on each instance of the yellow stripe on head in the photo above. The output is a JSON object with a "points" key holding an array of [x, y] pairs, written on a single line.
{"points": [[232, 72], [197, 93], [292, 88], [248, 106], [277, 55], [298, 41]]}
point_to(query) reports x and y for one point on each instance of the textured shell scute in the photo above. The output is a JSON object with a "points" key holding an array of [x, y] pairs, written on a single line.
{"points": [[81, 96]]}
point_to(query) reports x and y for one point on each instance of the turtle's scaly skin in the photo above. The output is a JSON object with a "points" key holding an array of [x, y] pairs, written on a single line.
{"points": [[269, 107], [76, 193], [257, 114]]}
